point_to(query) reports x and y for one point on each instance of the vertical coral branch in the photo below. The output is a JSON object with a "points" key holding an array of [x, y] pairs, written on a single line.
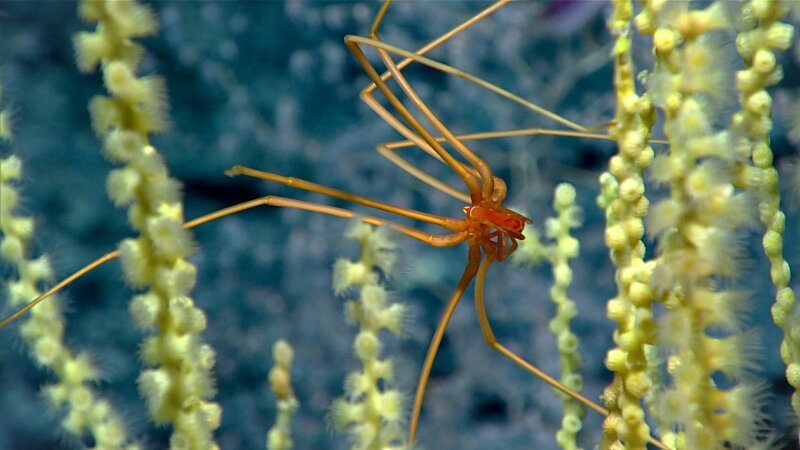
{"points": [[623, 198], [754, 121], [280, 380], [178, 382], [564, 248], [43, 330], [695, 228], [372, 413]]}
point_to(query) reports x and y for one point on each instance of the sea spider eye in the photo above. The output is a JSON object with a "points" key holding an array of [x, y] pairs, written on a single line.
{"points": [[512, 223]]}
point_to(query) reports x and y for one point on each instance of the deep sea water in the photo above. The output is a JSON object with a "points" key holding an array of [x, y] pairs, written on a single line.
{"points": [[272, 85]]}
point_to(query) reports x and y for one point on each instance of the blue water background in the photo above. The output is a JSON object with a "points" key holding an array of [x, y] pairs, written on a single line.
{"points": [[272, 85]]}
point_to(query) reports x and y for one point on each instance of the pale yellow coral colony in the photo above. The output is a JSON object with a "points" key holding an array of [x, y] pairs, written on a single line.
{"points": [[372, 414], [715, 177], [177, 381]]}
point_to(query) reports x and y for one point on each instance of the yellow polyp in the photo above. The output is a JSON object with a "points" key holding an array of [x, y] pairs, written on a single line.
{"points": [[665, 40], [779, 35], [638, 383], [759, 103], [698, 22], [764, 61]]}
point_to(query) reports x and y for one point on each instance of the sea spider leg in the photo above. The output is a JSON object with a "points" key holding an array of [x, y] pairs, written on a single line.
{"points": [[434, 43], [444, 222], [491, 340], [378, 44], [488, 335], [110, 256], [580, 131], [388, 151], [457, 226], [436, 240], [486, 187], [479, 239], [419, 142], [391, 120], [486, 176], [448, 240], [491, 243], [474, 259], [418, 57], [399, 161], [472, 183]]}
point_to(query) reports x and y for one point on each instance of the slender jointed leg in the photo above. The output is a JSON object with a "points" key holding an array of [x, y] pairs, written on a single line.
{"points": [[580, 131], [436, 240], [472, 184], [366, 95], [110, 256], [469, 273], [419, 141], [483, 169], [434, 182], [377, 44], [438, 41], [444, 222], [488, 334], [487, 179], [487, 185], [389, 151]]}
